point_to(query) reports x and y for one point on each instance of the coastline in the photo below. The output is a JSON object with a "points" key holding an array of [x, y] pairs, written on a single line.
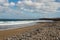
{"points": [[44, 27], [15, 25], [8, 25]]}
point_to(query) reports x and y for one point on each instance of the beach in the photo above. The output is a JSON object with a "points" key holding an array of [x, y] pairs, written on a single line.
{"points": [[42, 30], [15, 24]]}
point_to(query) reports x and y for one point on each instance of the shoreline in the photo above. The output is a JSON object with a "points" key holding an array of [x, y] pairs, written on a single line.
{"points": [[15, 26], [46, 28], [18, 24]]}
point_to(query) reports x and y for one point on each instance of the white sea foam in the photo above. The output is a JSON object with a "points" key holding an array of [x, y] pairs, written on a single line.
{"points": [[15, 22], [6, 25], [21, 22]]}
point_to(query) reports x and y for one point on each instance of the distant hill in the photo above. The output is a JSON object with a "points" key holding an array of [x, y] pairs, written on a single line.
{"points": [[54, 19]]}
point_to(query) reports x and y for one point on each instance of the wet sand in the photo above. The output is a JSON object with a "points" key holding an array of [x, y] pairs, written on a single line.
{"points": [[15, 29], [40, 31]]}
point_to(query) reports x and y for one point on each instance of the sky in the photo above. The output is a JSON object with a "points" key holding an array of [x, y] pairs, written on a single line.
{"points": [[29, 9]]}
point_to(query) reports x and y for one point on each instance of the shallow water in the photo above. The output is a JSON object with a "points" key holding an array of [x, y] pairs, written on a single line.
{"points": [[15, 24], [6, 25]]}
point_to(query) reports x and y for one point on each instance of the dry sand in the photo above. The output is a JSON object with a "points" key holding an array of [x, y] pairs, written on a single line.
{"points": [[40, 31]]}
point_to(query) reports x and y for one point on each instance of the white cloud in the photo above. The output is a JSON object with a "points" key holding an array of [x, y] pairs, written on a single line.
{"points": [[6, 4], [19, 2], [44, 6], [28, 2], [12, 4], [2, 1]]}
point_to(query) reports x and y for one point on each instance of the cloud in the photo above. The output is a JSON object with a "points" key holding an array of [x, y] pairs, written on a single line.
{"points": [[28, 2], [6, 4], [12, 4], [31, 6], [1, 1], [43, 5]]}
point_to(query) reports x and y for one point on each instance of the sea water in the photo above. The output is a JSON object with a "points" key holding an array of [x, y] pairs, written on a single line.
{"points": [[6, 25]]}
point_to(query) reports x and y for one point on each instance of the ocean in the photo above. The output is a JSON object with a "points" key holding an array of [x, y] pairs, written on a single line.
{"points": [[13, 24], [6, 25]]}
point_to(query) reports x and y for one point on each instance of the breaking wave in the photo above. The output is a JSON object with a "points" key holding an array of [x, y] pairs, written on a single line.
{"points": [[6, 25]]}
